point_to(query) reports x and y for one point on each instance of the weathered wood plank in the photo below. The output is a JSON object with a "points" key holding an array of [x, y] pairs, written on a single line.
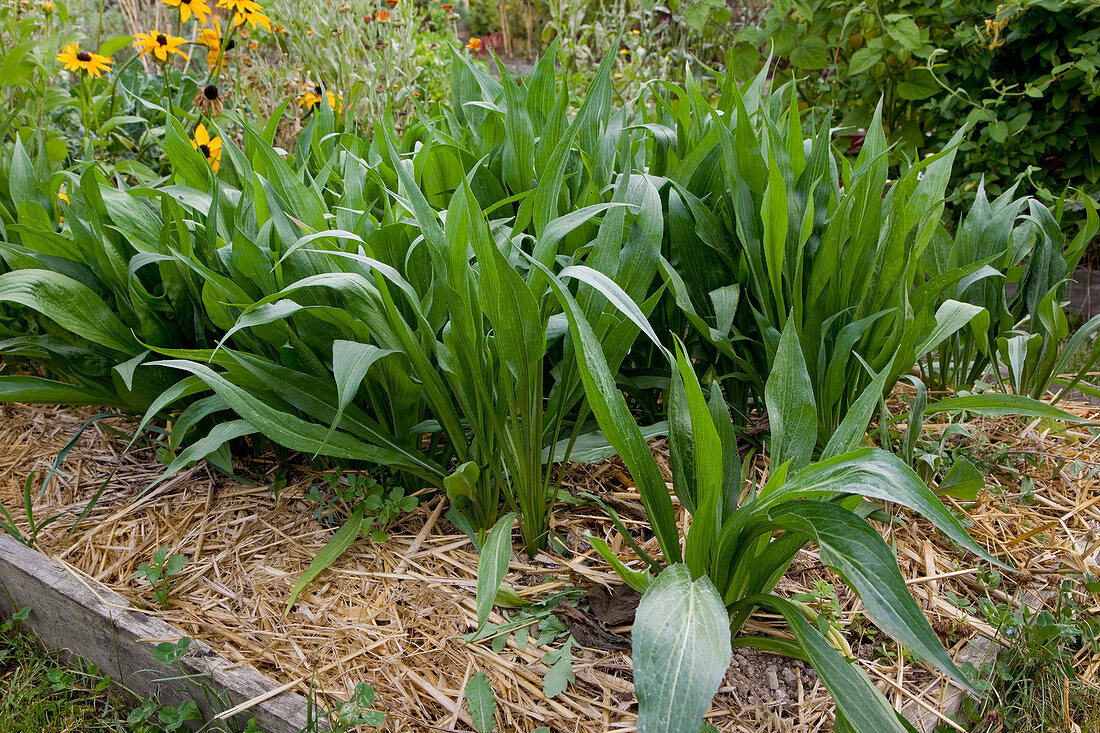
{"points": [[95, 625]]}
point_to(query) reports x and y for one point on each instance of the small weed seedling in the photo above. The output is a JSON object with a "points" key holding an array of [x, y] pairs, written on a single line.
{"points": [[158, 572], [380, 506]]}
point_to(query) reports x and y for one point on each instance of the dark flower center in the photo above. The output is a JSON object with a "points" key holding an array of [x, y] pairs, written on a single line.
{"points": [[231, 46], [210, 92], [205, 150], [161, 40], [84, 56], [317, 89]]}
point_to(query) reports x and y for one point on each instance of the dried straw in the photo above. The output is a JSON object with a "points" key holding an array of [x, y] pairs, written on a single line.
{"points": [[393, 614]]}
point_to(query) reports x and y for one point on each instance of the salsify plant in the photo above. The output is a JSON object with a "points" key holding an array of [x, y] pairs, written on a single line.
{"points": [[739, 543], [1020, 333], [769, 226]]}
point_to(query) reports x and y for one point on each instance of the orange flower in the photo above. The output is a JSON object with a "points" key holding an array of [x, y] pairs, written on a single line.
{"points": [[392, 3], [446, 6], [382, 16], [474, 44]]}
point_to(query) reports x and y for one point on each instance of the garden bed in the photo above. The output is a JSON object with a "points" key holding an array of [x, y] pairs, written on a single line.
{"points": [[393, 614]]}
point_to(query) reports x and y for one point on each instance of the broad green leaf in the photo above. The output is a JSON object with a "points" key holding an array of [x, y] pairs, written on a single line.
{"points": [[481, 703], [492, 565], [351, 361], [963, 481], [789, 397], [876, 474], [71, 304], [681, 650], [853, 549]]}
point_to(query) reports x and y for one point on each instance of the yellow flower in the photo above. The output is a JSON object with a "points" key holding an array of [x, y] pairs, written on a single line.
{"points": [[187, 7], [313, 96], [474, 44], [212, 39], [91, 64], [158, 45], [253, 18], [63, 196], [209, 147], [241, 6], [48, 7]]}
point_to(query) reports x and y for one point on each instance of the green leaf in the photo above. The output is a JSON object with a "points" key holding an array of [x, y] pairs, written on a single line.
{"points": [[616, 422], [639, 580], [330, 553], [218, 436], [863, 59], [849, 434], [492, 565], [481, 703], [460, 484], [998, 131], [963, 481], [71, 304], [289, 430], [37, 390], [811, 53], [854, 550], [351, 361], [998, 405], [681, 651], [789, 397], [874, 473], [561, 673], [905, 31]]}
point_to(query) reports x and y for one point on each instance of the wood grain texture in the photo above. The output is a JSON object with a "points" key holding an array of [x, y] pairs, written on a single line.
{"points": [[95, 624]]}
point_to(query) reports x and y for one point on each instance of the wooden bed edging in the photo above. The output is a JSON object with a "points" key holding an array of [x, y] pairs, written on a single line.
{"points": [[95, 625]]}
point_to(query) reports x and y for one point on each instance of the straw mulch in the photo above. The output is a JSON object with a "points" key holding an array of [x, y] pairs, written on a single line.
{"points": [[394, 614]]}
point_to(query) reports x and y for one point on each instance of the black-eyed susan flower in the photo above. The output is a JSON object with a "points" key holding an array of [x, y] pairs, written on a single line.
{"points": [[382, 16], [212, 39], [241, 6], [198, 8], [253, 18], [91, 64], [209, 147], [158, 45], [313, 96], [210, 100], [474, 44]]}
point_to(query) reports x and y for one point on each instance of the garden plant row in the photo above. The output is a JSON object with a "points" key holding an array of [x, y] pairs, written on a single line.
{"points": [[462, 304]]}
